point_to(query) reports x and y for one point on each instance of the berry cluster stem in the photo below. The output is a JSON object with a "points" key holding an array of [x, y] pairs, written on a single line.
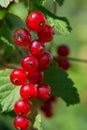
{"points": [[29, 6]]}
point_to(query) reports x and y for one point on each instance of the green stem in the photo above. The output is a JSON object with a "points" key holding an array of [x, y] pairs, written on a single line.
{"points": [[29, 6]]}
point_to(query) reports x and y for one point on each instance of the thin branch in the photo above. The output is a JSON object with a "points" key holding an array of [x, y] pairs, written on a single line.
{"points": [[54, 7], [72, 59], [77, 59]]}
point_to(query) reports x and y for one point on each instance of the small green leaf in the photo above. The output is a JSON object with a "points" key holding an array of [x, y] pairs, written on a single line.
{"points": [[37, 123], [61, 24], [5, 3], [60, 2], [9, 94], [62, 85]]}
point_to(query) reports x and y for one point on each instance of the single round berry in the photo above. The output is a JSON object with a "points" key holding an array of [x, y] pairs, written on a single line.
{"points": [[46, 35], [36, 77], [63, 50], [37, 48], [21, 123], [29, 63], [36, 21], [18, 76], [22, 37], [45, 60], [63, 63], [43, 91], [22, 107], [28, 91]]}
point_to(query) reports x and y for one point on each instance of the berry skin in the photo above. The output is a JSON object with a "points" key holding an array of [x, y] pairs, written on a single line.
{"points": [[29, 63], [36, 21], [63, 63], [28, 91], [46, 35], [22, 37], [43, 91], [22, 107], [36, 77], [21, 123], [63, 50], [18, 77], [45, 61], [37, 48]]}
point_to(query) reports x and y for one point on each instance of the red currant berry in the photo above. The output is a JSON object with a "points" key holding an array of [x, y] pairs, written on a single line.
{"points": [[37, 48], [43, 91], [28, 91], [21, 123], [45, 61], [22, 107], [22, 37], [29, 63], [46, 34], [36, 21], [48, 113], [18, 76], [63, 50], [63, 63], [36, 77]]}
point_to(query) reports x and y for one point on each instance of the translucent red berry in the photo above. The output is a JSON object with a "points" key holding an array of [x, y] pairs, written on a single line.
{"points": [[63, 50], [21, 123], [45, 60], [36, 77], [29, 63], [36, 21], [22, 37], [63, 63], [22, 107], [46, 34], [37, 48], [18, 76], [43, 91], [28, 91]]}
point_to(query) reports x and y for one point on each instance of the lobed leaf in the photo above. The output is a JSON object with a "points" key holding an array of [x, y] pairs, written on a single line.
{"points": [[9, 94], [62, 85]]}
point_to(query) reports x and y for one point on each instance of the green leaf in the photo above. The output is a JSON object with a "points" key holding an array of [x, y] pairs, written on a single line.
{"points": [[9, 94], [62, 85], [5, 3], [36, 3], [61, 24], [10, 24], [2, 14], [60, 2], [37, 123]]}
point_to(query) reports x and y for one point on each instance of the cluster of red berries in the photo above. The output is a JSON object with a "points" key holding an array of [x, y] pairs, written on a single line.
{"points": [[62, 59], [47, 107], [31, 74]]}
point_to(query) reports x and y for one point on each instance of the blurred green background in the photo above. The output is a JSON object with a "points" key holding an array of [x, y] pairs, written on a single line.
{"points": [[73, 117]]}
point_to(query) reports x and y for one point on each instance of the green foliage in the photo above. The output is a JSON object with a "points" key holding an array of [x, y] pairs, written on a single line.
{"points": [[61, 24], [62, 85], [37, 123], [60, 2], [2, 14], [9, 94], [5, 3]]}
